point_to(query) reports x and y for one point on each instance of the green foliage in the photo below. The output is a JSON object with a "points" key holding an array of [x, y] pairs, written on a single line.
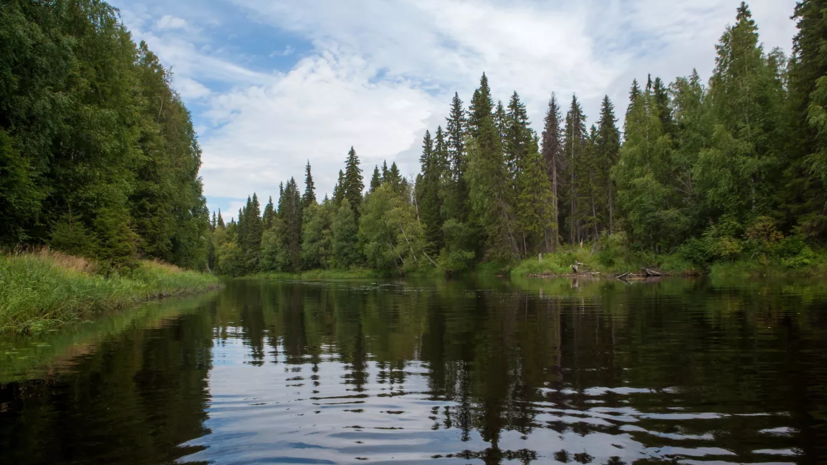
{"points": [[344, 230], [97, 152], [724, 172], [42, 290]]}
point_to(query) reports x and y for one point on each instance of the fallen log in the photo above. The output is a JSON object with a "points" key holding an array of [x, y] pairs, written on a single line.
{"points": [[650, 273], [624, 275]]}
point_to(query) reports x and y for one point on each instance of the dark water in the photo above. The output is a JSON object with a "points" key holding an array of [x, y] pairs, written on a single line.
{"points": [[432, 371]]}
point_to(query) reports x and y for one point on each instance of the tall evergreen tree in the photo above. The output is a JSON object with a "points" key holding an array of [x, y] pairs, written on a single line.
{"points": [[353, 181], [490, 190], [552, 148], [309, 196], [574, 148], [739, 174], [805, 192], [375, 180], [607, 151], [428, 195]]}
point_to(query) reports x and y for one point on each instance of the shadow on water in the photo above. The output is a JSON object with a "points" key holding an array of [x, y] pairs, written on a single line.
{"points": [[490, 370]]}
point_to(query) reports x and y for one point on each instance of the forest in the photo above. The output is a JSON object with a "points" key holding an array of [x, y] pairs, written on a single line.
{"points": [[99, 159], [98, 156], [734, 168]]}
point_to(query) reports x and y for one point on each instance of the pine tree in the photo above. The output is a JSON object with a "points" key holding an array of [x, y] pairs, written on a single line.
{"points": [[552, 148], [220, 220], [309, 197]]}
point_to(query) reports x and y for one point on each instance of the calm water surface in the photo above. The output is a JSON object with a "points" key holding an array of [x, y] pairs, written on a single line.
{"points": [[447, 372]]}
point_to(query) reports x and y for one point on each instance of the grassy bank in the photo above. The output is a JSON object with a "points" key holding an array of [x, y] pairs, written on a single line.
{"points": [[45, 289], [606, 263], [807, 264]]}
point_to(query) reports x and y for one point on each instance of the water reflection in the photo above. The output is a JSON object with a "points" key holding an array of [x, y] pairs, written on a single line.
{"points": [[494, 372]]}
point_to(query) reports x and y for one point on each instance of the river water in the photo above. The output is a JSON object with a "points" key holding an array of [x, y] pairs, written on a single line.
{"points": [[448, 372]]}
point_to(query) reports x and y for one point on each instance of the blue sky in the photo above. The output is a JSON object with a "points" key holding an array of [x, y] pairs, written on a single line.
{"points": [[273, 84]]}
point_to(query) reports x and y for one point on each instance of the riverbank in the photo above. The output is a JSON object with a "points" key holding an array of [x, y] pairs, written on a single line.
{"points": [[46, 289], [811, 264]]}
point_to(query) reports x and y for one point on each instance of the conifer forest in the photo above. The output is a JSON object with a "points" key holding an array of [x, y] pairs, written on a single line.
{"points": [[99, 158]]}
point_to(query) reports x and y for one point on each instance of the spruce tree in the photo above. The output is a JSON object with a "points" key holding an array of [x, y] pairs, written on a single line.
{"points": [[269, 215], [739, 174], [353, 182], [428, 195], [220, 219], [375, 180], [552, 148], [805, 191], [574, 148], [456, 203], [339, 189], [490, 190], [607, 151], [309, 196]]}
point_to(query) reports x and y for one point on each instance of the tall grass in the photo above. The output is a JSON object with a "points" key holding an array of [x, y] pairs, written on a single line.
{"points": [[44, 289], [609, 261]]}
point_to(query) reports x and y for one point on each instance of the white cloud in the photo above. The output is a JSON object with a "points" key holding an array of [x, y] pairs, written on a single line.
{"points": [[190, 89], [383, 72], [288, 50], [171, 22]]}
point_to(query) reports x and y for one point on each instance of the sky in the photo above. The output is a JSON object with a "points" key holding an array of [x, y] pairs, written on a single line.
{"points": [[274, 84]]}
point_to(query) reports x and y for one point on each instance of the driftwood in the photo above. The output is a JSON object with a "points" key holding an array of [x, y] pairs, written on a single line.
{"points": [[650, 273], [624, 275]]}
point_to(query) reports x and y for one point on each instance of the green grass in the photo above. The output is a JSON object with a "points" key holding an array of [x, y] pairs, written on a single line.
{"points": [[606, 262], [44, 289], [762, 267]]}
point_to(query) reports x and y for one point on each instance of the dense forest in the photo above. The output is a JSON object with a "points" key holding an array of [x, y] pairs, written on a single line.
{"points": [[98, 156], [731, 168]]}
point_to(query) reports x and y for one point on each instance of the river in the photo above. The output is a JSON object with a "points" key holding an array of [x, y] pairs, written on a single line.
{"points": [[412, 371]]}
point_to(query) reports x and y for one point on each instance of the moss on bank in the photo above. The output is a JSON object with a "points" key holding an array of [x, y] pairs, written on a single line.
{"points": [[45, 289]]}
